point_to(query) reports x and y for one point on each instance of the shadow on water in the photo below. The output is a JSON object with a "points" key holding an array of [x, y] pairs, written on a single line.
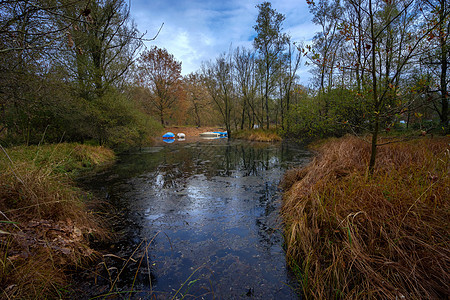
{"points": [[210, 210]]}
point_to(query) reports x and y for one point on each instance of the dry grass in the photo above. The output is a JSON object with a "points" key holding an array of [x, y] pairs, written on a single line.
{"points": [[45, 221], [258, 135], [384, 237]]}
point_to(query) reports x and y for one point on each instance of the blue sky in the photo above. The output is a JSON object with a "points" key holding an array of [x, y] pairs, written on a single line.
{"points": [[196, 31]]}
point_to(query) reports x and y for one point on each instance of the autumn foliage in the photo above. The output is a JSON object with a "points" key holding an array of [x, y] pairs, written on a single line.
{"points": [[160, 73]]}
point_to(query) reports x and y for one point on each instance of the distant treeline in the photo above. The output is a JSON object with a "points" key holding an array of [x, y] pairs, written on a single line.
{"points": [[75, 70]]}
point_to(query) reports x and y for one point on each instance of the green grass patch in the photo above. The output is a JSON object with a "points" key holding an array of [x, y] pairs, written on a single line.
{"points": [[60, 158]]}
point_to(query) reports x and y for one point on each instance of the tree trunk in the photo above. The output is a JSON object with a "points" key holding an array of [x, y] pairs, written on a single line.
{"points": [[376, 103], [161, 114], [444, 67], [267, 98]]}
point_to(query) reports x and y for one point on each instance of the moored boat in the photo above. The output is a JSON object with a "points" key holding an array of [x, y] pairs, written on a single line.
{"points": [[169, 135], [209, 134]]}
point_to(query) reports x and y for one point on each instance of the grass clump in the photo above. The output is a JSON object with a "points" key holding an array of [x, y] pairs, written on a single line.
{"points": [[45, 221], [258, 135], [60, 158], [387, 236]]}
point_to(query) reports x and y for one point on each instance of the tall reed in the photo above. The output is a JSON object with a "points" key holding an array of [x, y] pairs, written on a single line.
{"points": [[385, 236]]}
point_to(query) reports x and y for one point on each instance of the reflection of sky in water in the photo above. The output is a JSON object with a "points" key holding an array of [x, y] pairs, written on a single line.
{"points": [[216, 204]]}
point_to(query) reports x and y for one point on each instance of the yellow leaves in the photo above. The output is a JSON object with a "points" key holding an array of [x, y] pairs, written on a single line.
{"points": [[69, 40]]}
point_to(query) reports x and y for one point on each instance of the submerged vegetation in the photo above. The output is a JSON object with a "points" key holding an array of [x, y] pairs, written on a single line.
{"points": [[352, 235], [46, 222]]}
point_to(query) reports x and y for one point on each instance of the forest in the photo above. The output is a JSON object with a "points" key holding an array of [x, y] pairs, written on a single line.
{"points": [[79, 71]]}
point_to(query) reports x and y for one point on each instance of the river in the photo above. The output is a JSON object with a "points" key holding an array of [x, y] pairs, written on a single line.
{"points": [[197, 219]]}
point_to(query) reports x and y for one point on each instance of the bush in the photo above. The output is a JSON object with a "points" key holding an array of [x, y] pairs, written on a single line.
{"points": [[327, 114], [112, 120]]}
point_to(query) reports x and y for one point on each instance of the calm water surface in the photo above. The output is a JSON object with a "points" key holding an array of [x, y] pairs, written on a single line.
{"points": [[199, 218]]}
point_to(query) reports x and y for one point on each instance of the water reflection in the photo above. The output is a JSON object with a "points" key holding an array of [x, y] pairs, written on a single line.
{"points": [[211, 208]]}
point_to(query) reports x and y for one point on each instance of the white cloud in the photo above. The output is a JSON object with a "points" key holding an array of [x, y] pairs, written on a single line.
{"points": [[197, 31]]}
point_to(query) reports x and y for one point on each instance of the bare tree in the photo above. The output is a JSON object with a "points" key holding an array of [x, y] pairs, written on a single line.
{"points": [[247, 85], [218, 78], [197, 96]]}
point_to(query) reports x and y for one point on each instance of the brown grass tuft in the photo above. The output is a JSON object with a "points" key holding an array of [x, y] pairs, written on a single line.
{"points": [[46, 222], [383, 237], [258, 135]]}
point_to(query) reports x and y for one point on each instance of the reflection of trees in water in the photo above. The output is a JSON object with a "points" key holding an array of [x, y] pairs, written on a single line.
{"points": [[210, 159], [249, 160], [169, 168], [175, 163], [255, 160], [267, 223]]}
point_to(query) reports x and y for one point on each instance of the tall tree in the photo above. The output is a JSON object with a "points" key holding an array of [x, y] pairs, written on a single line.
{"points": [[103, 45], [160, 72], [63, 65], [247, 85], [218, 78], [197, 96], [288, 74], [270, 42], [31, 40], [437, 53], [327, 41], [377, 48]]}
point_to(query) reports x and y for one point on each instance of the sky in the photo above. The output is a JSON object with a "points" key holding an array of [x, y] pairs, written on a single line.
{"points": [[195, 31]]}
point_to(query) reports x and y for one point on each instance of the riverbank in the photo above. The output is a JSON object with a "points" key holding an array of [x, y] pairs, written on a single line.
{"points": [[255, 135], [190, 131], [258, 135], [350, 236], [46, 222]]}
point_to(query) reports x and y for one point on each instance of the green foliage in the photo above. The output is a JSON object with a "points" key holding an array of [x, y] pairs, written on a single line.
{"points": [[327, 114], [77, 95], [111, 120], [116, 122]]}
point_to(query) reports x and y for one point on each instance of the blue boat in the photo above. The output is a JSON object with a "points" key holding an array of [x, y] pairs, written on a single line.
{"points": [[168, 135], [221, 133]]}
